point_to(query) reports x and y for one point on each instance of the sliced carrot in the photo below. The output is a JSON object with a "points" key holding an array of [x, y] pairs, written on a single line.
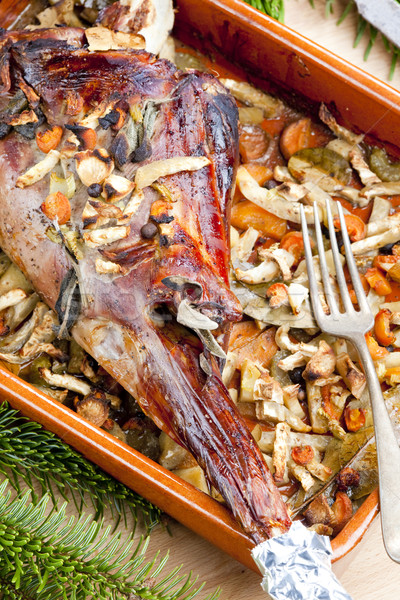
{"points": [[327, 403], [293, 242], [394, 295], [343, 511], [385, 261], [277, 294], [395, 200], [296, 136], [302, 455], [273, 126], [377, 281], [49, 139], [242, 333], [261, 173], [354, 418], [384, 336], [57, 207], [253, 143], [363, 212], [352, 293], [377, 352], [259, 350], [355, 226], [247, 214]]}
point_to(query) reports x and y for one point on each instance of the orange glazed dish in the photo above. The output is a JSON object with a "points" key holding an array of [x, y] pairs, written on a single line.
{"points": [[300, 393]]}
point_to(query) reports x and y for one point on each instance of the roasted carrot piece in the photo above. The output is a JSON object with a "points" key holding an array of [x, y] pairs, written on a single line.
{"points": [[247, 214], [377, 352], [242, 333], [253, 143], [385, 261], [327, 403], [277, 294], [354, 418], [261, 173], [49, 139], [292, 241], [57, 207], [352, 293], [343, 511], [355, 226], [295, 136], [382, 328], [377, 281], [302, 455], [259, 350]]}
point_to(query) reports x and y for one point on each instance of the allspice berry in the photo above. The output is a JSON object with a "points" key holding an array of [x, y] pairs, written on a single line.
{"points": [[149, 230]]}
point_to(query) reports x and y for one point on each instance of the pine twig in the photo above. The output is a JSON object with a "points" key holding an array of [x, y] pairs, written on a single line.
{"points": [[273, 8], [54, 557], [30, 453]]}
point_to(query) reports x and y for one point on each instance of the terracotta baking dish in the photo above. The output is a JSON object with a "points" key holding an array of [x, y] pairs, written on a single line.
{"points": [[274, 57]]}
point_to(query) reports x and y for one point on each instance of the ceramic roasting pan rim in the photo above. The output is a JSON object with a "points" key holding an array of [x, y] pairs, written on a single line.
{"points": [[295, 62]]}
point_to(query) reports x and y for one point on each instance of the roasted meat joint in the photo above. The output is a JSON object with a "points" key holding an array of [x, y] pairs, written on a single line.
{"points": [[115, 188]]}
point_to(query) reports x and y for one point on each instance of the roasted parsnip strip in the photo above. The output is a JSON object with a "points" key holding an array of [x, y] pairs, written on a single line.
{"points": [[277, 413], [38, 171], [65, 381], [281, 453]]}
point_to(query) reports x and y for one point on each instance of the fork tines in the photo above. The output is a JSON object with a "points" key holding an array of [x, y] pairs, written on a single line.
{"points": [[326, 322]]}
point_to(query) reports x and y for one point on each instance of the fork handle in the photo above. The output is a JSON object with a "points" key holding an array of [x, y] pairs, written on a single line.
{"points": [[388, 453]]}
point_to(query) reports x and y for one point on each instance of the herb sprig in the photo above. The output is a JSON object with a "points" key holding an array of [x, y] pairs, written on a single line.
{"points": [[53, 557], [29, 454]]}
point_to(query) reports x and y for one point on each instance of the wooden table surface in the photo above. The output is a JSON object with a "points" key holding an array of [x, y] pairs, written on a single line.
{"points": [[367, 573]]}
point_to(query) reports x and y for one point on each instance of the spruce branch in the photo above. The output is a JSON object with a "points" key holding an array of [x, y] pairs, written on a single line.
{"points": [[53, 557], [273, 8], [30, 453]]}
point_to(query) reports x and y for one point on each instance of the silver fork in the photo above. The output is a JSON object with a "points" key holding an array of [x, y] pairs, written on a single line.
{"points": [[352, 325]]}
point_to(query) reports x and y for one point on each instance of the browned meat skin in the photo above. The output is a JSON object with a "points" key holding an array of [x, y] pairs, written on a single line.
{"points": [[158, 365]]}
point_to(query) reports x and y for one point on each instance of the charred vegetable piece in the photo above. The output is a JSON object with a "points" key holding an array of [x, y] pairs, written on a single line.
{"points": [[320, 164], [383, 166]]}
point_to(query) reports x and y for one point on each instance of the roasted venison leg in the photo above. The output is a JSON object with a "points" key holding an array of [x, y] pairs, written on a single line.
{"points": [[140, 278]]}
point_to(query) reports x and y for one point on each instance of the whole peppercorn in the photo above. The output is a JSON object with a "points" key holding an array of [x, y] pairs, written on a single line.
{"points": [[296, 375], [94, 190], [149, 230]]}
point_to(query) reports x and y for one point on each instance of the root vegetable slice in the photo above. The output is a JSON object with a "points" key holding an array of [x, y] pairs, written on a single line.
{"points": [[270, 200], [248, 94], [65, 381], [301, 474], [38, 171], [94, 407], [93, 166], [195, 476], [11, 298], [277, 413], [281, 453], [16, 340], [314, 399], [149, 173], [102, 237], [317, 442]]}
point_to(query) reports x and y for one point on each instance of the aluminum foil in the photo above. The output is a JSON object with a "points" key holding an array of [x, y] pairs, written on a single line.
{"points": [[297, 566]]}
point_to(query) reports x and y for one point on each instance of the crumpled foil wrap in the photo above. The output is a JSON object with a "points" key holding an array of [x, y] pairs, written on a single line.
{"points": [[297, 566]]}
